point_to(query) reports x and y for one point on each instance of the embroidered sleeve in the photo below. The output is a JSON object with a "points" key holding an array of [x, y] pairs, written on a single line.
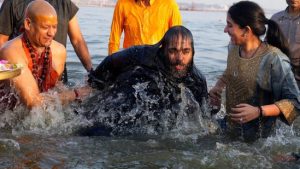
{"points": [[288, 110]]}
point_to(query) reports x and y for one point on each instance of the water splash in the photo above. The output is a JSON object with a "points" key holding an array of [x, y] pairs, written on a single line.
{"points": [[49, 118], [151, 108], [9, 144]]}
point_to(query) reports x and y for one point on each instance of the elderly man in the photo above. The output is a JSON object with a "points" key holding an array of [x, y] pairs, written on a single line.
{"points": [[11, 25], [147, 88], [42, 57]]}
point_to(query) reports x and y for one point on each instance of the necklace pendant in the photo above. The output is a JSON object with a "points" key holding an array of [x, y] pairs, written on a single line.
{"points": [[235, 74]]}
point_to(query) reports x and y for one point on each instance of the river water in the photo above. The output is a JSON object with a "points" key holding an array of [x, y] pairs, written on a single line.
{"points": [[46, 140]]}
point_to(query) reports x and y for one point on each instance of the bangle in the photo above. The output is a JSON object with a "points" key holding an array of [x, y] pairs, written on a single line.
{"points": [[76, 94], [296, 156], [260, 111]]}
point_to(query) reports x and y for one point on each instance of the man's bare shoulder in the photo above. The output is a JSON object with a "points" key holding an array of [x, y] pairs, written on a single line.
{"points": [[12, 51], [57, 47], [58, 50], [59, 55]]}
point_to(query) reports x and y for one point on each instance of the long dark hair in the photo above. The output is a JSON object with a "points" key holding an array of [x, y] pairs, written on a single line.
{"points": [[247, 13], [173, 33]]}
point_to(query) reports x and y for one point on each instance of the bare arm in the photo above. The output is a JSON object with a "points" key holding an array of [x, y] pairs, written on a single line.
{"points": [[58, 62], [79, 43], [216, 91], [25, 84], [3, 39]]}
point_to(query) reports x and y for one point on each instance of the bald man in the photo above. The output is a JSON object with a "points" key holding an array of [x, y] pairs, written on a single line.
{"points": [[43, 58], [12, 14]]}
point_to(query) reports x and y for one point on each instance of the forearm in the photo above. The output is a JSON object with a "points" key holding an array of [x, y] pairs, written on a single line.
{"points": [[83, 54], [74, 94], [45, 98], [67, 96], [221, 83], [282, 107]]}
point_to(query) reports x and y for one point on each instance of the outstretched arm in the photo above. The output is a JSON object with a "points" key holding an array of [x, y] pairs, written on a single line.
{"points": [[216, 91], [26, 85], [79, 43]]}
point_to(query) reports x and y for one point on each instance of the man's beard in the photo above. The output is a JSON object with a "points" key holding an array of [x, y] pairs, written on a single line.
{"points": [[179, 73]]}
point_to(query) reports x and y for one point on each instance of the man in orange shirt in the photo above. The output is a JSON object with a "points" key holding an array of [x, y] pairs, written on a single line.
{"points": [[143, 22]]}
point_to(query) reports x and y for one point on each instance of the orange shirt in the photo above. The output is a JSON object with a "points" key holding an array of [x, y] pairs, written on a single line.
{"points": [[142, 24]]}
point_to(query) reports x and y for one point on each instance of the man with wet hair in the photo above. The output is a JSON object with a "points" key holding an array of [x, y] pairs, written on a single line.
{"points": [[173, 56], [158, 79], [43, 58]]}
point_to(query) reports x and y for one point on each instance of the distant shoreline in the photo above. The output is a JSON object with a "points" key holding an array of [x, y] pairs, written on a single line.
{"points": [[181, 8], [184, 6]]}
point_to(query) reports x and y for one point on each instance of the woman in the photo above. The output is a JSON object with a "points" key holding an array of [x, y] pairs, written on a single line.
{"points": [[260, 86]]}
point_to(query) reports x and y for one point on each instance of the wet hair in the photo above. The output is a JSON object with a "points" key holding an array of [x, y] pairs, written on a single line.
{"points": [[173, 33], [247, 13], [170, 36]]}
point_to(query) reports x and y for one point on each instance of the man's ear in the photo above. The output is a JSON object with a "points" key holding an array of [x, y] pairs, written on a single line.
{"points": [[27, 24]]}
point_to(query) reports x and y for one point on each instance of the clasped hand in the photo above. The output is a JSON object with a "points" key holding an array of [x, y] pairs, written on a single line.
{"points": [[243, 113], [215, 97]]}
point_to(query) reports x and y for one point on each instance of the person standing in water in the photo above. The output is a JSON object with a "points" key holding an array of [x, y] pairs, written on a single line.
{"points": [[288, 20], [143, 22], [170, 77], [43, 58], [260, 86], [12, 14]]}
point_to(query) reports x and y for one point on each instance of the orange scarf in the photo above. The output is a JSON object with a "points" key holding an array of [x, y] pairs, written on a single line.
{"points": [[40, 66]]}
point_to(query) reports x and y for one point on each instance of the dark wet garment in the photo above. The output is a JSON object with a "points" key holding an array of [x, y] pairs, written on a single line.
{"points": [[8, 98], [147, 57], [138, 96]]}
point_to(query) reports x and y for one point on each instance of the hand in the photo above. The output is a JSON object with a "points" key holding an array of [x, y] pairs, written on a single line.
{"points": [[286, 158], [215, 97], [83, 92], [243, 113]]}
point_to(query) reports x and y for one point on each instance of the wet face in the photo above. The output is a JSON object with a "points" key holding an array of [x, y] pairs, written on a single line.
{"points": [[237, 35], [42, 30], [179, 56], [293, 3]]}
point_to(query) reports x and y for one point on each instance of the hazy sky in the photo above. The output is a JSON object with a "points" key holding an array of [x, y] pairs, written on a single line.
{"points": [[266, 4]]}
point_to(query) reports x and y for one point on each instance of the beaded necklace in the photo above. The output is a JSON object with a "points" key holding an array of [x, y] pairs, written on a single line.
{"points": [[40, 64]]}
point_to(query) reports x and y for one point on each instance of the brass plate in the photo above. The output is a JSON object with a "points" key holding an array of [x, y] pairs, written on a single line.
{"points": [[7, 74]]}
